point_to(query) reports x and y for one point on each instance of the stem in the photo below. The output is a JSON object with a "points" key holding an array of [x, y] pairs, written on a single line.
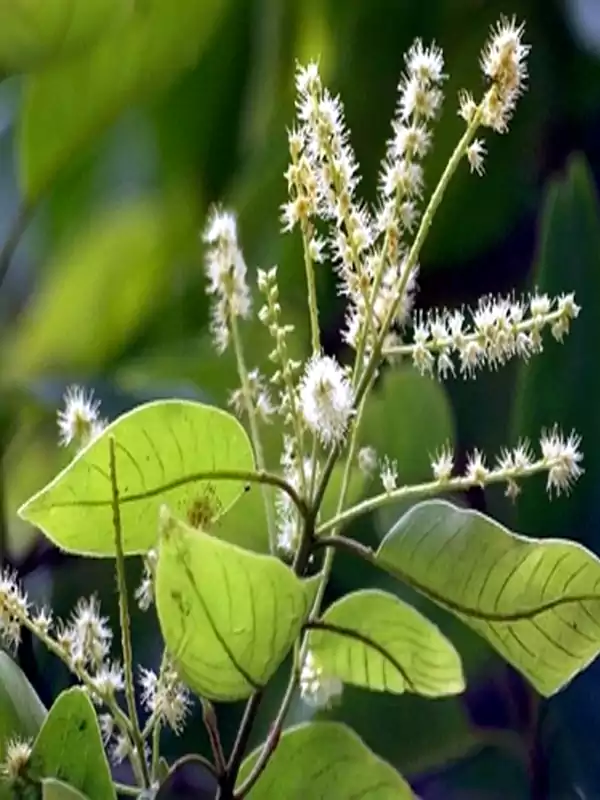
{"points": [[411, 260], [460, 483], [240, 744], [212, 729], [330, 553], [272, 739], [313, 307], [128, 791], [253, 422], [126, 647], [447, 342]]}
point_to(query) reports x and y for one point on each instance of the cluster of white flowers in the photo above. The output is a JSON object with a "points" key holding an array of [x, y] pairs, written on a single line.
{"points": [[504, 65], [226, 270], [498, 330], [165, 697], [79, 421], [14, 607], [17, 755], [559, 457], [317, 689]]}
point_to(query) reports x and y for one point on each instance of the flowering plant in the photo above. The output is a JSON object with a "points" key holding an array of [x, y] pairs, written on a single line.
{"points": [[157, 481]]}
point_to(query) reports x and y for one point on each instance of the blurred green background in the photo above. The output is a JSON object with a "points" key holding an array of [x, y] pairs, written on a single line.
{"points": [[121, 121]]}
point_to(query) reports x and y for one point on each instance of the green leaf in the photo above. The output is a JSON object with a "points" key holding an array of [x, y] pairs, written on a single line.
{"points": [[86, 275], [161, 448], [570, 234], [67, 104], [53, 789], [383, 644], [228, 616], [535, 601], [21, 710], [325, 760], [33, 32], [69, 746]]}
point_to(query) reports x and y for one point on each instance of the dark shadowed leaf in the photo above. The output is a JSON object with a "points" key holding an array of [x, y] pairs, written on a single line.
{"points": [[69, 746], [189, 779], [569, 261], [21, 710], [325, 761]]}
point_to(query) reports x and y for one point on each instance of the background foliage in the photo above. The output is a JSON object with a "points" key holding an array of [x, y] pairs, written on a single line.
{"points": [[119, 125]]}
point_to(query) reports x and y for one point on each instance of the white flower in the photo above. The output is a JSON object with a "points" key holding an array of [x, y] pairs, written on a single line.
{"points": [[442, 465], [476, 470], [165, 697], [16, 759], [326, 399], [317, 689], [88, 635], [389, 474], [562, 458], [79, 422], [476, 155], [226, 271]]}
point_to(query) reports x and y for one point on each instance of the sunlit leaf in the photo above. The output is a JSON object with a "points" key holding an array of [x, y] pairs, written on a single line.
{"points": [[69, 747], [161, 448], [228, 616], [33, 32], [67, 104], [53, 789], [383, 644], [325, 760], [21, 710], [536, 602]]}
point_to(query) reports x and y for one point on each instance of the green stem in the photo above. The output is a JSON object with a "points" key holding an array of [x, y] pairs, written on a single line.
{"points": [[313, 307], [136, 733], [411, 260], [212, 729], [272, 739], [253, 422], [128, 791], [460, 483]]}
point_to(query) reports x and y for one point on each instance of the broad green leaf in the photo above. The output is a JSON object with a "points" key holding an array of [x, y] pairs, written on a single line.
{"points": [[53, 789], [397, 650], [328, 761], [33, 32], [161, 448], [228, 616], [69, 747], [569, 234], [67, 104], [84, 289], [535, 601], [21, 710]]}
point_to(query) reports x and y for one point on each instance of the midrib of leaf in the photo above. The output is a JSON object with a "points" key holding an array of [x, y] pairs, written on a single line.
{"points": [[220, 638], [475, 613], [367, 641]]}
